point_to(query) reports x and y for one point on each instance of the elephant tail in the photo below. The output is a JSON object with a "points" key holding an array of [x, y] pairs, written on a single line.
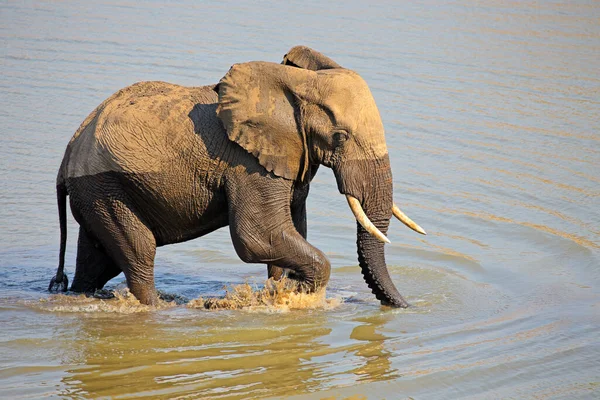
{"points": [[60, 282]]}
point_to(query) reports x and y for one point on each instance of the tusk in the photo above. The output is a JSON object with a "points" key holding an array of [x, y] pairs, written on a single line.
{"points": [[407, 221], [362, 219]]}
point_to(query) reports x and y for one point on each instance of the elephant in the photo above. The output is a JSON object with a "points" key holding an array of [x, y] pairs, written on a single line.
{"points": [[158, 163]]}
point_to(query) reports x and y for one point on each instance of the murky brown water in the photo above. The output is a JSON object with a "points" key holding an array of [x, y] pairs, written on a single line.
{"points": [[492, 113]]}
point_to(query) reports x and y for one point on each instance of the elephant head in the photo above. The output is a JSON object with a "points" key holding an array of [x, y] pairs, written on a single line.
{"points": [[312, 111]]}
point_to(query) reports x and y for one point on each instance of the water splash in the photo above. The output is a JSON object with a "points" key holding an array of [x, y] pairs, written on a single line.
{"points": [[121, 301], [280, 296], [274, 296]]}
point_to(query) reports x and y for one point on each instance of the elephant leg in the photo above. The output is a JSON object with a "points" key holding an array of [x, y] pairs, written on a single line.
{"points": [[93, 267], [133, 247], [262, 231], [274, 272], [107, 213], [298, 209]]}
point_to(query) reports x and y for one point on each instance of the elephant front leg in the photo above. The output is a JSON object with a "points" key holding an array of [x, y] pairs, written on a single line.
{"points": [[298, 209], [262, 231], [283, 247]]}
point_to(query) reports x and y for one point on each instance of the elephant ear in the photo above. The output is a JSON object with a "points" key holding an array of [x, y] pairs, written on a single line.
{"points": [[258, 107], [307, 58]]}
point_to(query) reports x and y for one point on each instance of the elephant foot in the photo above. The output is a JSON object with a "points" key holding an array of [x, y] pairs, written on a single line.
{"points": [[290, 283], [299, 284], [59, 283]]}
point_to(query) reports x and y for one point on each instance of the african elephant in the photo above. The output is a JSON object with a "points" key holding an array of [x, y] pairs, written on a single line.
{"points": [[158, 163]]}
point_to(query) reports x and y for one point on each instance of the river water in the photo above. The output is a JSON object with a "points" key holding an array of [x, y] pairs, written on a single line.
{"points": [[492, 116]]}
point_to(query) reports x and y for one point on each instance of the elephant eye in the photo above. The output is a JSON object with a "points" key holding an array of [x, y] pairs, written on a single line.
{"points": [[340, 136]]}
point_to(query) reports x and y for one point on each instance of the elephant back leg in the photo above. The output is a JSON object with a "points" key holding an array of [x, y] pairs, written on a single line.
{"points": [[93, 266], [105, 211], [274, 272]]}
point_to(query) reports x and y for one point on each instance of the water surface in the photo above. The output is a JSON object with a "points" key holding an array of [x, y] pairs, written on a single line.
{"points": [[492, 116]]}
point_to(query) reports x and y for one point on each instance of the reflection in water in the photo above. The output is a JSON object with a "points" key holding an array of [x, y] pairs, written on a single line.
{"points": [[376, 365], [247, 354], [146, 355]]}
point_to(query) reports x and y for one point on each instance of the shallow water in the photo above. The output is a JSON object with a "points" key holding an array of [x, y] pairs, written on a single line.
{"points": [[492, 115]]}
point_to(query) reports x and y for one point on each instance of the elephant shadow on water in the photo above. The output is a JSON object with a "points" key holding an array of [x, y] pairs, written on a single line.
{"points": [[158, 163]]}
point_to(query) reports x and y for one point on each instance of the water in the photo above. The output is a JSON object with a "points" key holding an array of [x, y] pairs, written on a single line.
{"points": [[492, 114]]}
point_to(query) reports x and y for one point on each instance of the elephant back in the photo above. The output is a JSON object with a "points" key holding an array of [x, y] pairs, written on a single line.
{"points": [[142, 128]]}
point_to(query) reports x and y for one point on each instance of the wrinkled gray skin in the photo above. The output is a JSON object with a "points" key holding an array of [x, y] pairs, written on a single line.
{"points": [[158, 163]]}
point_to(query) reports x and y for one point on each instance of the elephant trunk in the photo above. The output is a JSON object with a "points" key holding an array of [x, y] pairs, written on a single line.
{"points": [[370, 184], [371, 258]]}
